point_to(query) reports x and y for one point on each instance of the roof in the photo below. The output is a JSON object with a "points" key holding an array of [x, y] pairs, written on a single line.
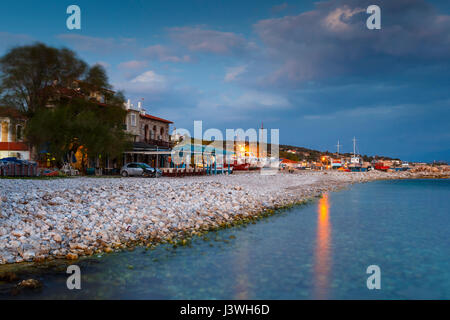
{"points": [[87, 84], [13, 146], [11, 113], [289, 161], [195, 148], [147, 116]]}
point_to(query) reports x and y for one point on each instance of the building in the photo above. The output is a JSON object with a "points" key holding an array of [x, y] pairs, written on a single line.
{"points": [[151, 138], [12, 125], [336, 163], [150, 134], [78, 89]]}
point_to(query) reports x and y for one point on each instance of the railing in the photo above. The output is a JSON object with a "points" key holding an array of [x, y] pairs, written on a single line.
{"points": [[159, 143]]}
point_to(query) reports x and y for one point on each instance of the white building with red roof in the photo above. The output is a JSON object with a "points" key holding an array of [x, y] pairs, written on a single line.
{"points": [[151, 136]]}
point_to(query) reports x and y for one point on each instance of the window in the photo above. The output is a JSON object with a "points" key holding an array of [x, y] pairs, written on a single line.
{"points": [[19, 132], [146, 133], [133, 120]]}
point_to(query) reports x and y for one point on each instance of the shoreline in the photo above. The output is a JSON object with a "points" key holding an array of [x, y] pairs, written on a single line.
{"points": [[43, 220]]}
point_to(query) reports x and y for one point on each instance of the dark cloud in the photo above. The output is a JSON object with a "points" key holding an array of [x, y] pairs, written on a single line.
{"points": [[333, 40]]}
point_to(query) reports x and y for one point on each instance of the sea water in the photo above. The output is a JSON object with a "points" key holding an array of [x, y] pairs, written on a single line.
{"points": [[316, 251]]}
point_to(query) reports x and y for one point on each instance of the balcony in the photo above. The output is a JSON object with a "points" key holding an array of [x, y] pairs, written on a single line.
{"points": [[159, 143]]}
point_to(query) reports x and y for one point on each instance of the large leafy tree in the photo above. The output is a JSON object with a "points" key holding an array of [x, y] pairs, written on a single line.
{"points": [[30, 79], [79, 123], [27, 71], [97, 77]]}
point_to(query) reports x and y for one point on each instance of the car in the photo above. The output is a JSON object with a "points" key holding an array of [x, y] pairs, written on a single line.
{"points": [[139, 169]]}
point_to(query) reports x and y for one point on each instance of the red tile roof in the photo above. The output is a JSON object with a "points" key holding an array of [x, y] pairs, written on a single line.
{"points": [[147, 116], [11, 113], [13, 146], [289, 161]]}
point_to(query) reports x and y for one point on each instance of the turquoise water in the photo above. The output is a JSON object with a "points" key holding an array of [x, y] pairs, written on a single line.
{"points": [[316, 251]]}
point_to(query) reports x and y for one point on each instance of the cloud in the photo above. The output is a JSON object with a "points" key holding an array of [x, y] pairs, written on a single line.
{"points": [[362, 112], [164, 54], [197, 39], [131, 69], [247, 101], [132, 65], [96, 44], [332, 40], [255, 100], [338, 19], [104, 64], [234, 72], [147, 82]]}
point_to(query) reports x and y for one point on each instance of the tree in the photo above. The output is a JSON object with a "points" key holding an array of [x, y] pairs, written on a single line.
{"points": [[97, 77], [32, 78], [97, 129], [26, 71]]}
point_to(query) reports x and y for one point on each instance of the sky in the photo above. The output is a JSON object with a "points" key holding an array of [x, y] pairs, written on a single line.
{"points": [[311, 69]]}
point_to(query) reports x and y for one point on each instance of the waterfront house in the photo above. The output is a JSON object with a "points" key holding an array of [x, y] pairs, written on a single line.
{"points": [[336, 163], [12, 125], [290, 165], [150, 134]]}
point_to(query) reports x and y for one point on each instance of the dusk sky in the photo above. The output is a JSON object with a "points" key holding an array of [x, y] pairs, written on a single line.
{"points": [[311, 69]]}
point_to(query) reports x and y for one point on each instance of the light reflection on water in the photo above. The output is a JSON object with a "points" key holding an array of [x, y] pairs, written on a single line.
{"points": [[241, 270], [322, 251]]}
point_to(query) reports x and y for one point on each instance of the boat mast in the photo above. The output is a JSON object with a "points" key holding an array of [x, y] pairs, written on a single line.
{"points": [[354, 146], [338, 146]]}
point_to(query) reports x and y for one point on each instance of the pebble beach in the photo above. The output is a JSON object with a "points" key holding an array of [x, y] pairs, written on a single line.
{"points": [[75, 217]]}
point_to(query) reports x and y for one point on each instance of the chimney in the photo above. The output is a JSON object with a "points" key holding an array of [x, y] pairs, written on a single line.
{"points": [[128, 104], [139, 105]]}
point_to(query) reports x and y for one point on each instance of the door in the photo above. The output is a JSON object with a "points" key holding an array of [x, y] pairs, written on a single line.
{"points": [[139, 171], [132, 169]]}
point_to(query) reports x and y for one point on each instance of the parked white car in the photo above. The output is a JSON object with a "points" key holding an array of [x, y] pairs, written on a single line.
{"points": [[139, 169]]}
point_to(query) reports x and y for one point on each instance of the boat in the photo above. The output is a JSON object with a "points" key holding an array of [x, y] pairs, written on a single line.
{"points": [[380, 166], [356, 161]]}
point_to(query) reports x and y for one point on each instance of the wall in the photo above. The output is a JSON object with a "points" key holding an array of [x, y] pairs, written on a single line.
{"points": [[4, 132], [134, 130], [22, 155], [153, 123]]}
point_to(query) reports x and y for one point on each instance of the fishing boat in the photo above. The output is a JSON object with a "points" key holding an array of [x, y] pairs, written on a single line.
{"points": [[380, 166], [356, 161]]}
